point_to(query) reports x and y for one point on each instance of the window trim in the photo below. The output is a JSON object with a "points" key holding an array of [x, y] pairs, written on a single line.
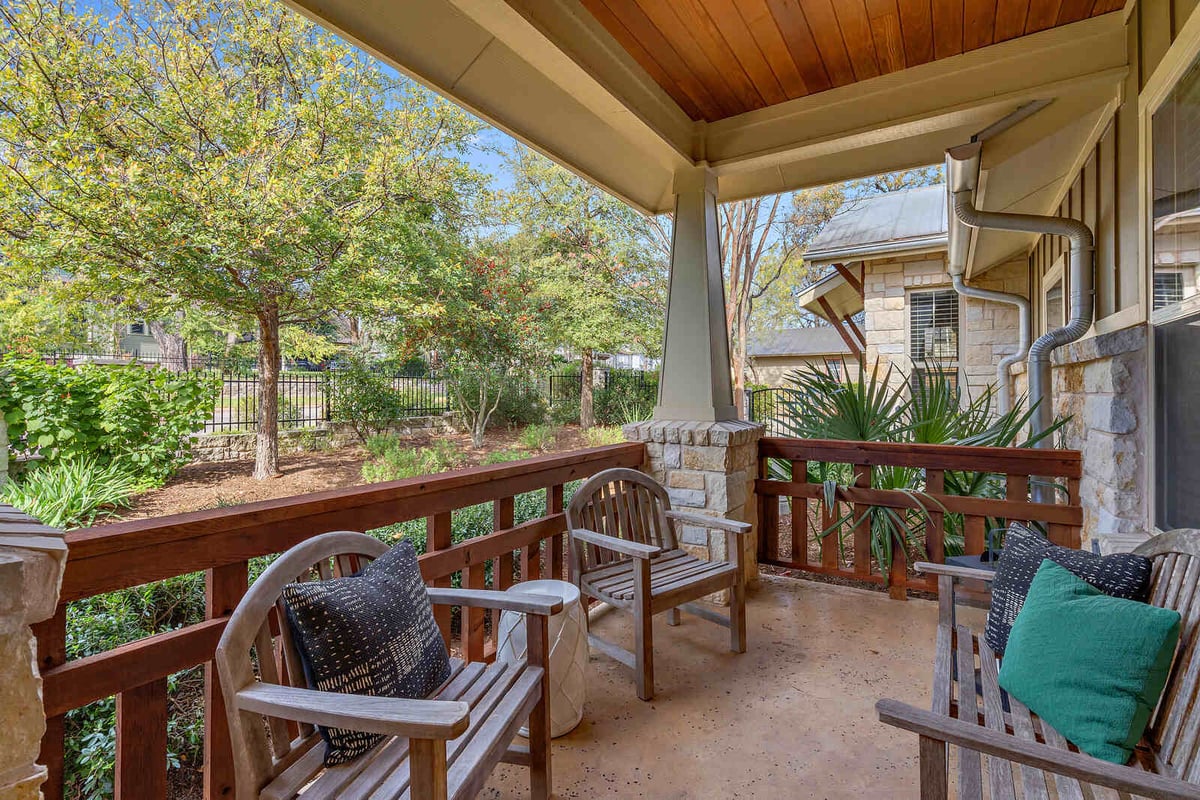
{"points": [[908, 325]]}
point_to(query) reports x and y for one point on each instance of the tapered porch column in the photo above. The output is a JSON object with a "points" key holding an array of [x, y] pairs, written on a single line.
{"points": [[695, 444], [695, 383]]}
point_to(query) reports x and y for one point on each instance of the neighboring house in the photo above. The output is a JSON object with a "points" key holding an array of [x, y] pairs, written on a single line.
{"points": [[774, 356], [136, 340], [888, 260]]}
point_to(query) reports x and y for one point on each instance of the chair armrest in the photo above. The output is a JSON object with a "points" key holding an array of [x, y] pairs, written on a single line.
{"points": [[1034, 754], [504, 601], [716, 523], [390, 716], [965, 573], [622, 546]]}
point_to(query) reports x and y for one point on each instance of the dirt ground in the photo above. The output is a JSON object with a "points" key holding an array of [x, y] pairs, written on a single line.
{"points": [[228, 483]]}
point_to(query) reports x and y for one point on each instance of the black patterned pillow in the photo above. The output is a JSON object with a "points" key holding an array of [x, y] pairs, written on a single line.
{"points": [[371, 633], [1119, 575]]}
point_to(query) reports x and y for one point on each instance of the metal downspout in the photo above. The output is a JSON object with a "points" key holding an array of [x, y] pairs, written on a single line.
{"points": [[1003, 374], [1082, 277]]}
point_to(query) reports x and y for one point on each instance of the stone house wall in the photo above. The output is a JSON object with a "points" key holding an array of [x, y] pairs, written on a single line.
{"points": [[987, 331]]}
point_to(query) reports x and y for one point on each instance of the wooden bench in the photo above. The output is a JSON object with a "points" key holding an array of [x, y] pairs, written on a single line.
{"points": [[442, 747], [625, 552], [1003, 745]]}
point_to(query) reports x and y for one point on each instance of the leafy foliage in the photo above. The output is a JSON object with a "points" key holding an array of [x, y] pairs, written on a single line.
{"points": [[887, 407], [72, 492], [141, 418], [393, 459], [537, 437], [601, 435], [364, 398]]}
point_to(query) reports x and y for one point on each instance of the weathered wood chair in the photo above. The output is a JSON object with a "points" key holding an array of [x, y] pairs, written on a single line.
{"points": [[625, 552], [442, 747], [970, 712]]}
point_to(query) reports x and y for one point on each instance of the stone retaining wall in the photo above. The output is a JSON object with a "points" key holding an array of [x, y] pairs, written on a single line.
{"points": [[207, 447]]}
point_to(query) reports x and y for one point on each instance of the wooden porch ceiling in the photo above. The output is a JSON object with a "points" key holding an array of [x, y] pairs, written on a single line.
{"points": [[720, 58]]}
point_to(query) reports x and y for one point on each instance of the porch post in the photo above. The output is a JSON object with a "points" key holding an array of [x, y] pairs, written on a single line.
{"points": [[32, 557], [695, 445], [695, 384]]}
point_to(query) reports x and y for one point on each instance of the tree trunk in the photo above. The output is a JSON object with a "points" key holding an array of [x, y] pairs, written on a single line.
{"points": [[266, 454], [171, 347], [587, 407], [739, 364]]}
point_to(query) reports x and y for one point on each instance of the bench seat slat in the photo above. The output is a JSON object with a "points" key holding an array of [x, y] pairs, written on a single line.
{"points": [[1000, 776], [970, 768]]}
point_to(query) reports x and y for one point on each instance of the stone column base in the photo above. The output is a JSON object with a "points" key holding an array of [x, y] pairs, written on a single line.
{"points": [[708, 468]]}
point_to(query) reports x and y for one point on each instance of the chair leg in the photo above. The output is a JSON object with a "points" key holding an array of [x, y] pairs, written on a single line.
{"points": [[673, 617], [935, 783], [737, 614], [427, 768], [540, 780], [643, 630]]}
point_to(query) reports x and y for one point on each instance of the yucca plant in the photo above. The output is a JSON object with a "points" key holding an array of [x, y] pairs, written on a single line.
{"points": [[884, 405]]}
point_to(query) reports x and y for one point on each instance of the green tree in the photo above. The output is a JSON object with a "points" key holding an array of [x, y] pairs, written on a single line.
{"points": [[599, 274], [227, 157], [483, 320]]}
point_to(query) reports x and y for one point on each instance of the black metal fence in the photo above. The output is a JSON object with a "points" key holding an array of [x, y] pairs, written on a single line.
{"points": [[769, 406]]}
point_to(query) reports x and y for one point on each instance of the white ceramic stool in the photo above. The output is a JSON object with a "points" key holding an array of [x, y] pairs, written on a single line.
{"points": [[568, 651]]}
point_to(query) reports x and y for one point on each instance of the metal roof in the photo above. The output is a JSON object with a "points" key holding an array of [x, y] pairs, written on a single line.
{"points": [[819, 341], [913, 220]]}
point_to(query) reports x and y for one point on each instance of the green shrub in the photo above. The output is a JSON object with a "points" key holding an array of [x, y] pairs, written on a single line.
{"points": [[394, 460], [364, 398], [601, 435], [141, 417], [521, 402], [537, 437], [627, 396], [504, 456], [71, 493]]}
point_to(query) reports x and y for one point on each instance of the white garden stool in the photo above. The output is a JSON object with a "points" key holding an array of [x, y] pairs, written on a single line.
{"points": [[568, 651]]}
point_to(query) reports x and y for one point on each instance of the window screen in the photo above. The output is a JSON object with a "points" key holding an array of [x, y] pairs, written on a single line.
{"points": [[933, 321]]}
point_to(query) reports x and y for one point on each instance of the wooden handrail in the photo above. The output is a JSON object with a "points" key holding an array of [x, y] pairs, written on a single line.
{"points": [[1017, 466], [221, 542]]}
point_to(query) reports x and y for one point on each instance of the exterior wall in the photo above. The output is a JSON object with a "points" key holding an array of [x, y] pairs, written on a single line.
{"points": [[773, 371], [987, 331]]}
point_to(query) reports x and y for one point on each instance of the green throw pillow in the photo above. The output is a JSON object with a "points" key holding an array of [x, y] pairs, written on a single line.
{"points": [[1091, 665]]}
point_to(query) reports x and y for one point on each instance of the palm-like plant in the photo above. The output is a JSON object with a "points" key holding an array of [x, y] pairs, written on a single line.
{"points": [[889, 407]]}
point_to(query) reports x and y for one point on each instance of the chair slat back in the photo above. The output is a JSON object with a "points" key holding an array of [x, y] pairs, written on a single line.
{"points": [[1174, 732], [625, 504], [257, 646]]}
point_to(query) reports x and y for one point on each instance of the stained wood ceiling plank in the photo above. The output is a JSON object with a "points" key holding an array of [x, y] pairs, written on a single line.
{"points": [[694, 16], [793, 25], [916, 25], [640, 54], [887, 33], [857, 37], [1042, 15], [823, 22], [979, 23], [645, 32], [1105, 6], [1073, 11], [681, 37], [947, 28], [758, 19], [1010, 19], [733, 28]]}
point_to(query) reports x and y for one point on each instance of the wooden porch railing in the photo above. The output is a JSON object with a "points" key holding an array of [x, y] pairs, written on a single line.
{"points": [[220, 542], [810, 517]]}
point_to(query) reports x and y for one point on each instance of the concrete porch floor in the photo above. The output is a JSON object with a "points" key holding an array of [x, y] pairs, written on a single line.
{"points": [[791, 718]]}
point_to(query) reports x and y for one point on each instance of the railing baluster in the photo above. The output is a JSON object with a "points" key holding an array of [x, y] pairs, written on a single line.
{"points": [[799, 515], [974, 534], [502, 573], [829, 543], [768, 516], [935, 530], [437, 537], [52, 652], [141, 769], [473, 629], [223, 588], [862, 529]]}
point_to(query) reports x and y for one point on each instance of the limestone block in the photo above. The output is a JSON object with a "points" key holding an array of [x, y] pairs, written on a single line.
{"points": [[705, 458], [654, 450], [21, 701], [1110, 413], [694, 535], [673, 456], [687, 498], [685, 479]]}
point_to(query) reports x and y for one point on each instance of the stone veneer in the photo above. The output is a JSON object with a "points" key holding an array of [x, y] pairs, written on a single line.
{"points": [[988, 331], [1101, 383], [32, 557], [708, 468]]}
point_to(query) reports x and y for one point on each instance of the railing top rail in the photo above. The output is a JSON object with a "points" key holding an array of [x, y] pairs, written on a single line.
{"points": [[1002, 460], [131, 553]]}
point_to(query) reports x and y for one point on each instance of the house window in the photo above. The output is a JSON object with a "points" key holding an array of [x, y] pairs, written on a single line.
{"points": [[1175, 314], [1168, 289], [933, 327], [137, 328]]}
